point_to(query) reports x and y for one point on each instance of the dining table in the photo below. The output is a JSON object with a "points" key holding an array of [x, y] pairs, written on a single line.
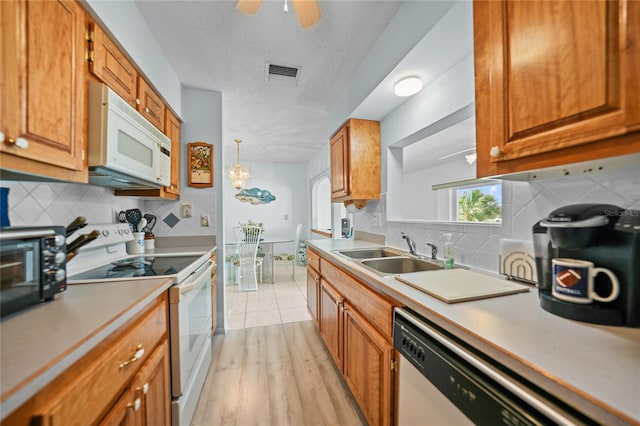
{"points": [[266, 248]]}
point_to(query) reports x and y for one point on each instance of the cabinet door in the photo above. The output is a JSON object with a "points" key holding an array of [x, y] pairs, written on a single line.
{"points": [[125, 412], [172, 129], [151, 105], [339, 148], [42, 88], [110, 65], [152, 387], [313, 287], [331, 320], [552, 77], [367, 367]]}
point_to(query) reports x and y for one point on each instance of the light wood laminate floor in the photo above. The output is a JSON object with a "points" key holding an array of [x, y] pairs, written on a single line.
{"points": [[274, 375]]}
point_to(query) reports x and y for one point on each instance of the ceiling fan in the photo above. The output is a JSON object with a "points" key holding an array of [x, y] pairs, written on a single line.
{"points": [[308, 11]]}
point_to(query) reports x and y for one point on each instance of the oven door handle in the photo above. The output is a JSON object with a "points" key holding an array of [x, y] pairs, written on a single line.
{"points": [[195, 279]]}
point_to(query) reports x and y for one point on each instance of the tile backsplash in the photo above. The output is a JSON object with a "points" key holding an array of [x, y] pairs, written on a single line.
{"points": [[51, 203], [524, 203]]}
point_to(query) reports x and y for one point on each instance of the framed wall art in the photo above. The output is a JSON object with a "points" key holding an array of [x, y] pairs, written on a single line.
{"points": [[200, 167]]}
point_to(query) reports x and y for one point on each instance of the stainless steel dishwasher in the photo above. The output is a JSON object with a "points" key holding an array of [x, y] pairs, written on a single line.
{"points": [[442, 381]]}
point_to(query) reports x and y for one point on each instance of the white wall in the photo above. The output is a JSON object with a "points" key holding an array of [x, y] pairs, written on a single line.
{"points": [[409, 25], [202, 123], [287, 182]]}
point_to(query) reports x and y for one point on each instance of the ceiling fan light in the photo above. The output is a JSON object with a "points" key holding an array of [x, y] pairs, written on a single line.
{"points": [[407, 86]]}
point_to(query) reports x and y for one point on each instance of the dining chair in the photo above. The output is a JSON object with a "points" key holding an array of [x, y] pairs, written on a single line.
{"points": [[250, 263]]}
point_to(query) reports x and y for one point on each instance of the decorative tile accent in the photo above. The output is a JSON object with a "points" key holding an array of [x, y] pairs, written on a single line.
{"points": [[171, 220]]}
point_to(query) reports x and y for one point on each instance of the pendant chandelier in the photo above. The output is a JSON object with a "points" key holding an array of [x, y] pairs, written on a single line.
{"points": [[238, 173]]}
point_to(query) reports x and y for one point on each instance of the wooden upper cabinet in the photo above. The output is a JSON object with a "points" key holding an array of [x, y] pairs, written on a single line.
{"points": [[172, 129], [355, 162], [42, 95], [151, 105], [112, 67], [556, 82], [109, 63], [340, 163]]}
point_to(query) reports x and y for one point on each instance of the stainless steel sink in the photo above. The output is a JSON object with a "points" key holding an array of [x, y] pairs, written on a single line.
{"points": [[400, 265], [369, 253]]}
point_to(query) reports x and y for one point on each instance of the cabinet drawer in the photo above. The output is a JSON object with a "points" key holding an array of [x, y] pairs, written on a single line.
{"points": [[87, 397], [372, 307], [313, 260]]}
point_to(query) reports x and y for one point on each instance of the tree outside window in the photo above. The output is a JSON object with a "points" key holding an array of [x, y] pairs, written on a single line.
{"points": [[480, 203]]}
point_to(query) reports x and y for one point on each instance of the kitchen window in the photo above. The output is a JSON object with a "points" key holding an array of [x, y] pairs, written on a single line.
{"points": [[321, 206], [479, 203]]}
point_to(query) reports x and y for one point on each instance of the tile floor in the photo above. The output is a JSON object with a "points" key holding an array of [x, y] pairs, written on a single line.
{"points": [[282, 302]]}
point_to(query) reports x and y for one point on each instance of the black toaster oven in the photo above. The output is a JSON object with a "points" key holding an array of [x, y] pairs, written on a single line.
{"points": [[32, 266]]}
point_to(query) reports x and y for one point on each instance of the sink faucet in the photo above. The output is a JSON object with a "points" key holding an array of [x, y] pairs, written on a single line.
{"points": [[410, 243], [434, 251]]}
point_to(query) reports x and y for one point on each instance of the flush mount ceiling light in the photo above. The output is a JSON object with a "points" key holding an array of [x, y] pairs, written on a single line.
{"points": [[238, 173], [408, 86]]}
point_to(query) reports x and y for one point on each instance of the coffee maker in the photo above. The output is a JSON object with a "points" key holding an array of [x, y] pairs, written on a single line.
{"points": [[606, 235]]}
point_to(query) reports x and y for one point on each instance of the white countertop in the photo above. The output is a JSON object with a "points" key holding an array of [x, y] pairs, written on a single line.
{"points": [[586, 365], [68, 327], [40, 343]]}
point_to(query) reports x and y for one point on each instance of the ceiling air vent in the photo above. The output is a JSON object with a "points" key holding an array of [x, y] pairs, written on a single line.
{"points": [[282, 74]]}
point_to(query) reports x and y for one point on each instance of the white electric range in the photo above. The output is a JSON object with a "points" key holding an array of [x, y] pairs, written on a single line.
{"points": [[106, 259]]}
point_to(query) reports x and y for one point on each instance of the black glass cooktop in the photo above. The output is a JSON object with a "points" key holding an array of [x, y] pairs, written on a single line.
{"points": [[147, 266]]}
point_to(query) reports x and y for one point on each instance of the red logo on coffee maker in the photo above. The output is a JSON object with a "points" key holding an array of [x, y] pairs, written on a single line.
{"points": [[568, 278]]}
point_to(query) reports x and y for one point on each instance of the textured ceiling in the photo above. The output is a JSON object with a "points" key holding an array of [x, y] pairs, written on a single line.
{"points": [[213, 46]]}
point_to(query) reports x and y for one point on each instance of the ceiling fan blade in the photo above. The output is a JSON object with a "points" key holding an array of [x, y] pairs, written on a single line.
{"points": [[308, 12], [249, 7]]}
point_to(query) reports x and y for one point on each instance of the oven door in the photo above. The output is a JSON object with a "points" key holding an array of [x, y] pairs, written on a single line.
{"points": [[190, 325]]}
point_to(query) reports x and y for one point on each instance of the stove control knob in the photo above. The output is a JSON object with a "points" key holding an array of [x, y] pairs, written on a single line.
{"points": [[105, 232]]}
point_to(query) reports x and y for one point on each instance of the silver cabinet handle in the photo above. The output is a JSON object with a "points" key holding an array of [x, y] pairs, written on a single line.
{"points": [[146, 110]]}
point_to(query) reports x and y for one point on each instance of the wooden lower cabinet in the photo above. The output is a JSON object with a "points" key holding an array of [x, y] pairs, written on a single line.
{"points": [[330, 320], [125, 412], [102, 387], [144, 403], [313, 289], [367, 367], [349, 318]]}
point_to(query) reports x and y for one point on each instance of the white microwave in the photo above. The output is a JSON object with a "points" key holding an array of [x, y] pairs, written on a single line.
{"points": [[126, 151]]}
